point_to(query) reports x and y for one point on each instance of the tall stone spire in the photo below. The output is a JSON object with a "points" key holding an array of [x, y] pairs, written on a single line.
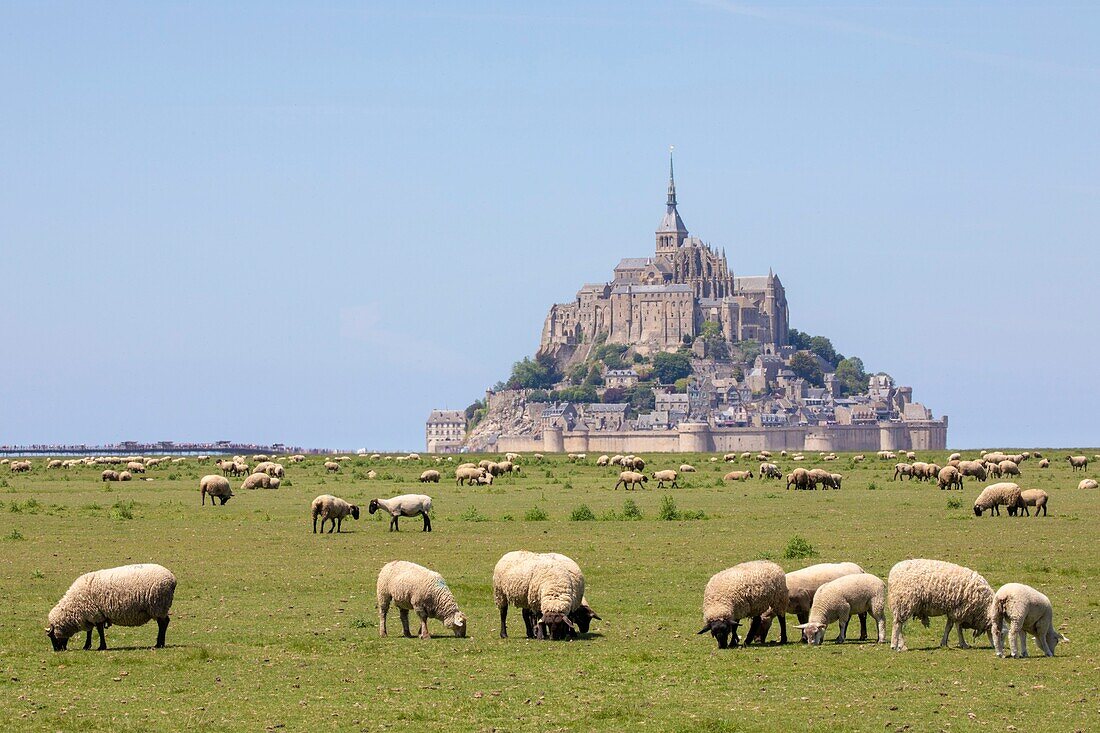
{"points": [[671, 231]]}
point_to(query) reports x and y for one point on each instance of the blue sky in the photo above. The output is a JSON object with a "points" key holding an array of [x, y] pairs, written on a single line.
{"points": [[314, 222]]}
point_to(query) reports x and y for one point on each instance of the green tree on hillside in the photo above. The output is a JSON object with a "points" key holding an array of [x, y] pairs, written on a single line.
{"points": [[667, 368], [850, 376], [804, 365], [540, 372]]}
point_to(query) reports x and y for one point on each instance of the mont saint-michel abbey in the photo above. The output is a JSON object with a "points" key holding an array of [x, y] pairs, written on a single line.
{"points": [[654, 302]]}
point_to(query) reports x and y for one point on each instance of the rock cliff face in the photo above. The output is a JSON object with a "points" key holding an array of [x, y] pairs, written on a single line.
{"points": [[506, 415]]}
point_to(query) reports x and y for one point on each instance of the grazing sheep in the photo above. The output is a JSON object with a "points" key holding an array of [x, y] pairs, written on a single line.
{"points": [[1044, 463], [819, 477], [737, 476], [468, 474], [631, 479], [973, 469], [413, 587], [996, 495], [687, 468], [799, 479], [256, 481], [130, 595], [634, 462], [801, 586], [770, 470], [993, 470], [744, 591], [950, 478], [109, 475], [661, 476], [217, 487], [838, 599], [1009, 468], [1025, 611], [955, 457], [729, 457], [135, 467], [331, 509], [537, 456], [1078, 463], [548, 586], [833, 481], [429, 476], [125, 476], [1088, 483], [603, 461], [925, 588], [332, 466], [1036, 498], [859, 458], [405, 505], [902, 469]]}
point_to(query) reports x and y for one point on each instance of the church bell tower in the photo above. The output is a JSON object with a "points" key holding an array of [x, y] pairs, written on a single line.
{"points": [[671, 231]]}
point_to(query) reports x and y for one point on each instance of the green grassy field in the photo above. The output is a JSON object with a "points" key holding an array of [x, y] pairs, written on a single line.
{"points": [[275, 628]]}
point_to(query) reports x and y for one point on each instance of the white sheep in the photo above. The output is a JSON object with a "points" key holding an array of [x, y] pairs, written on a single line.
{"points": [[429, 476], [217, 487], [332, 467], [1088, 483], [837, 600], [1025, 611], [922, 589], [687, 468], [631, 479], [406, 505], [801, 586], [257, 481], [737, 476], [743, 591], [548, 586], [332, 509], [996, 495], [1036, 498], [661, 476], [1078, 463], [130, 595], [413, 587]]}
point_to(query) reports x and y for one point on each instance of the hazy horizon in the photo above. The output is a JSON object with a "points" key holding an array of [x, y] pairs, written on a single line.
{"points": [[313, 225]]}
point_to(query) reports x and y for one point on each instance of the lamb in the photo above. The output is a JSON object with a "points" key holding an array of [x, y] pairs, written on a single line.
{"points": [[631, 479], [859, 458], [1078, 463], [405, 505], [1009, 468], [125, 476], [1044, 463], [548, 586], [1088, 483], [995, 495], [217, 487], [413, 587], [109, 475], [801, 586], [993, 470], [833, 481], [950, 478], [331, 509], [429, 476], [925, 588], [1025, 611], [257, 481], [661, 476], [838, 599], [1036, 498], [737, 476], [130, 595], [745, 590], [470, 473], [687, 468], [770, 470]]}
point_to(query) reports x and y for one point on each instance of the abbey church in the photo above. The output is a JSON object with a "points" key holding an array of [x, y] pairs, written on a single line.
{"points": [[652, 303]]}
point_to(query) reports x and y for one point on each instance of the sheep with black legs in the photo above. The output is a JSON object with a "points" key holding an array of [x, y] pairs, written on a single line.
{"points": [[331, 509], [413, 587], [406, 505], [746, 590]]}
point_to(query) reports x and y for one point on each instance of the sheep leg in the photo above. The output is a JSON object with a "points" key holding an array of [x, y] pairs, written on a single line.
{"points": [[754, 630], [529, 623], [332, 526], [782, 628], [102, 639], [393, 524], [1014, 638], [946, 633], [88, 641], [203, 492], [427, 523], [405, 622], [962, 639], [504, 621], [863, 627], [897, 641], [880, 623], [1042, 637], [843, 631], [383, 612], [315, 524], [423, 624], [162, 629]]}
